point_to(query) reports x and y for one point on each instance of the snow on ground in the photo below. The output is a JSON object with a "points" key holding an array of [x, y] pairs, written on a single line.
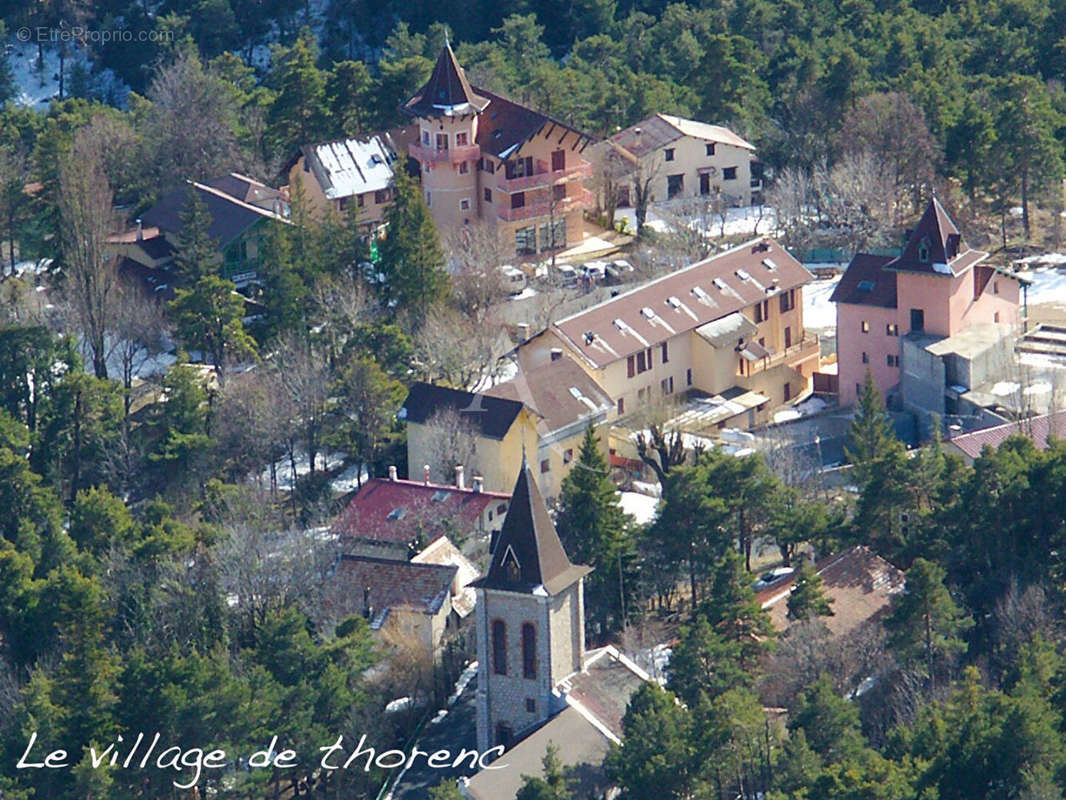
{"points": [[352, 477], [812, 405], [525, 294], [818, 312], [283, 466], [1049, 286], [639, 506], [1005, 388], [33, 87], [740, 221]]}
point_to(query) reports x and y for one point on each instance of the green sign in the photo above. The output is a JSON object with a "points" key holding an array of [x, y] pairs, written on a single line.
{"points": [[375, 257]]}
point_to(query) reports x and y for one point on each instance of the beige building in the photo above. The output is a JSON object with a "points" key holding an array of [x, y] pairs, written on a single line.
{"points": [[337, 175], [684, 158], [484, 157], [724, 336]]}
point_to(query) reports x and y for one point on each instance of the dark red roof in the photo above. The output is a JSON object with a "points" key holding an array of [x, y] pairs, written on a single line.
{"points": [[1036, 429], [528, 552], [399, 511], [935, 246], [447, 92], [866, 282]]}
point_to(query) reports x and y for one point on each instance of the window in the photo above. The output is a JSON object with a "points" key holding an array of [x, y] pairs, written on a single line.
{"points": [[788, 337], [442, 141], [642, 364], [428, 198], [361, 200], [788, 392], [640, 395], [461, 139], [425, 138], [865, 326], [525, 240], [529, 650], [381, 196], [631, 366], [729, 173], [688, 377], [710, 148], [501, 508], [865, 358], [858, 388], [487, 165], [788, 300], [892, 329], [504, 734], [531, 705], [559, 192], [924, 250], [668, 154], [518, 200], [558, 160], [995, 317], [464, 204], [666, 354], [499, 647], [762, 311], [464, 167], [545, 466], [675, 185], [488, 195], [892, 360], [917, 319], [995, 287], [667, 385], [568, 456], [621, 406]]}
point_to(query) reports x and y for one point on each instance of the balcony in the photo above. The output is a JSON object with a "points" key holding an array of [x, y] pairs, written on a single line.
{"points": [[543, 177], [805, 348], [579, 199], [421, 152]]}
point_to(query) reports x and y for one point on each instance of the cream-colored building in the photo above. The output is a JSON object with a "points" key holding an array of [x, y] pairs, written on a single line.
{"points": [[685, 159], [484, 157], [726, 332]]}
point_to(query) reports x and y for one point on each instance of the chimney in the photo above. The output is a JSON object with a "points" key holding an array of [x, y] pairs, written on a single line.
{"points": [[479, 484], [392, 474], [425, 474], [460, 482], [523, 331], [140, 230]]}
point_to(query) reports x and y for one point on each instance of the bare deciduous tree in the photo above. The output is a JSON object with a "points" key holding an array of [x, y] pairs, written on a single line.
{"points": [[86, 220], [452, 441], [450, 348], [475, 253]]}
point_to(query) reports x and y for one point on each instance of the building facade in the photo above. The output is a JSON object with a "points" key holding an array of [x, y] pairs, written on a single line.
{"points": [[936, 287], [484, 157]]}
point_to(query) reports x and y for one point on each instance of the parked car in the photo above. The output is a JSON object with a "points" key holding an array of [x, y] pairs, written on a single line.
{"points": [[595, 270], [619, 270], [566, 275], [513, 278], [772, 577]]}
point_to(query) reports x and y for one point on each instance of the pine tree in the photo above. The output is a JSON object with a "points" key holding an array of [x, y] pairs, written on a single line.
{"points": [[870, 437], [594, 530], [411, 256], [208, 317], [735, 614], [299, 112], [197, 253], [553, 786], [806, 599]]}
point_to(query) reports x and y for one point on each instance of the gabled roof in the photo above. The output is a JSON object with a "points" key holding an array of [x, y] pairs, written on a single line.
{"points": [[529, 556], [350, 167], [506, 125], [387, 585], [447, 92], [397, 511], [935, 246], [560, 391], [866, 282], [661, 129], [247, 190], [491, 416], [1036, 429], [230, 217], [682, 301]]}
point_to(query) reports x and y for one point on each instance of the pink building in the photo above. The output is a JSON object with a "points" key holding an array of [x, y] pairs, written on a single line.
{"points": [[937, 286]]}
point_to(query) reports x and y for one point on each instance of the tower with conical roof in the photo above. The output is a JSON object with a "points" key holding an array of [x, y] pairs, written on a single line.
{"points": [[530, 621], [446, 111]]}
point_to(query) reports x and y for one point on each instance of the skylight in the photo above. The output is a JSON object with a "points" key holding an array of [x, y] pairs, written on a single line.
{"points": [[647, 313], [742, 275], [440, 494], [769, 264], [866, 286], [397, 513]]}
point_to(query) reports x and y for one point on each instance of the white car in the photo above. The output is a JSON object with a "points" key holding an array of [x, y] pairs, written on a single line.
{"points": [[772, 577], [566, 275], [513, 278], [597, 270], [619, 270]]}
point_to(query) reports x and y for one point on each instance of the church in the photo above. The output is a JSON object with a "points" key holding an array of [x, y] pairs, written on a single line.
{"points": [[537, 684]]}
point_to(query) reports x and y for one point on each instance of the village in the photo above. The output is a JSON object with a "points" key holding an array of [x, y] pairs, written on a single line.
{"points": [[631, 462]]}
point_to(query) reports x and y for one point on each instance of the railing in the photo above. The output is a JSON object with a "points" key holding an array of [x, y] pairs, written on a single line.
{"points": [[582, 198], [543, 177], [468, 152], [806, 347]]}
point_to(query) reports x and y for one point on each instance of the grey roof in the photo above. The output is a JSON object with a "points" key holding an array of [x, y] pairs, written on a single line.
{"points": [[560, 391], [230, 217], [492, 416]]}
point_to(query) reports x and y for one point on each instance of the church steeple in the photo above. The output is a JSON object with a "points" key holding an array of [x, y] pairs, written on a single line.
{"points": [[447, 93], [528, 552]]}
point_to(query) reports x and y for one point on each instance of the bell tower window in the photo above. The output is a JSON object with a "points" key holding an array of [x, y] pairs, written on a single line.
{"points": [[499, 647], [529, 650]]}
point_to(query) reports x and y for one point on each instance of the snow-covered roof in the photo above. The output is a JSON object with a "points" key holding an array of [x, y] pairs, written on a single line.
{"points": [[710, 133], [352, 166]]}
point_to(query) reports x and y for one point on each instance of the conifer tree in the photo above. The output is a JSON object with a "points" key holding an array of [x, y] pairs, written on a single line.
{"points": [[807, 599], [208, 317], [733, 611], [595, 531], [197, 252], [870, 437], [411, 256]]}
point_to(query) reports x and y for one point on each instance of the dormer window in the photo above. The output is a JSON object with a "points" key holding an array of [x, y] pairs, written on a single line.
{"points": [[924, 250]]}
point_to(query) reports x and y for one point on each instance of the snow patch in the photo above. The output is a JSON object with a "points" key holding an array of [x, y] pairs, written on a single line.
{"points": [[639, 506]]}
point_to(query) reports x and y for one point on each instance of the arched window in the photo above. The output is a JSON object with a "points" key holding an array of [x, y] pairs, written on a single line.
{"points": [[529, 650], [499, 647]]}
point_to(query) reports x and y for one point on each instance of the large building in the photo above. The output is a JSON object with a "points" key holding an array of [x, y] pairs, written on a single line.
{"points": [[685, 158], [484, 157], [730, 327], [936, 287]]}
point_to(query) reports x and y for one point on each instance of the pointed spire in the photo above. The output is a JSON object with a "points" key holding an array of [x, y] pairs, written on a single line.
{"points": [[528, 553], [933, 244], [447, 92]]}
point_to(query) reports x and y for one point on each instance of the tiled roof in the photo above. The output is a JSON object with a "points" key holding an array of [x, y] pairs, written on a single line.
{"points": [[397, 511], [859, 583], [506, 125], [661, 129], [442, 551], [389, 585], [683, 300], [560, 391], [230, 217], [529, 556], [603, 688], [246, 189], [935, 246], [1036, 429], [492, 416], [447, 92], [867, 283]]}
